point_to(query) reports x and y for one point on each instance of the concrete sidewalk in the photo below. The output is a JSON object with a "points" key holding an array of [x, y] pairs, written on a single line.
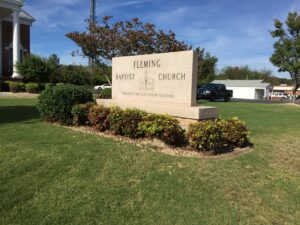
{"points": [[17, 95]]}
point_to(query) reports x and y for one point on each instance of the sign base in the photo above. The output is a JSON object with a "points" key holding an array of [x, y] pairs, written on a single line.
{"points": [[192, 112]]}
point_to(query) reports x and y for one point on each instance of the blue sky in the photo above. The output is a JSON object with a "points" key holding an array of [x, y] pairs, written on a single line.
{"points": [[236, 31]]}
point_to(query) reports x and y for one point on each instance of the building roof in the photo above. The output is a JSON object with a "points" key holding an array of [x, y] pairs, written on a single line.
{"points": [[284, 88], [17, 3], [7, 6], [26, 16], [242, 83]]}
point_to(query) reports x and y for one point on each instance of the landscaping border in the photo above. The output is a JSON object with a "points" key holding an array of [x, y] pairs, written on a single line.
{"points": [[160, 146]]}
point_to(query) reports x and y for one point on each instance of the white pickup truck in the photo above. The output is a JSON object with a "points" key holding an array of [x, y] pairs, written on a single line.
{"points": [[279, 95]]}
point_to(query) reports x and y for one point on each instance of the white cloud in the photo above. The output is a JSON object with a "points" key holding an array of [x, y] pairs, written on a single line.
{"points": [[112, 6], [66, 2], [54, 14], [134, 2]]}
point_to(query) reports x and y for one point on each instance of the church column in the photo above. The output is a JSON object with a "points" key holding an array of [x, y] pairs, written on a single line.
{"points": [[16, 41]]}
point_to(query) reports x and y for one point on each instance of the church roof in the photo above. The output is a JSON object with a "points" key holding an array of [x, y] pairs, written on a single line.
{"points": [[25, 15]]}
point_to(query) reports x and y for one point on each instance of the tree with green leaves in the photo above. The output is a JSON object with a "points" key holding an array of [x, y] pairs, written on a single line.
{"points": [[206, 67], [247, 73], [38, 69], [286, 54]]}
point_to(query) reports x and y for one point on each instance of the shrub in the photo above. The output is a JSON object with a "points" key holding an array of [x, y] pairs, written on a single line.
{"points": [[32, 88], [126, 122], [59, 84], [218, 135], [55, 104], [105, 93], [205, 136], [132, 120], [48, 85], [80, 114], [73, 74], [16, 86], [163, 127], [98, 117], [4, 86], [235, 133], [37, 69], [116, 120]]}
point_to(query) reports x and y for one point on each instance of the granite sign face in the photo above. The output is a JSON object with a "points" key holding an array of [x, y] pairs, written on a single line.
{"points": [[158, 83]]}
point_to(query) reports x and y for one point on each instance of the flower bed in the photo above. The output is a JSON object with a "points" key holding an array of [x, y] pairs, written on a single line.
{"points": [[216, 136]]}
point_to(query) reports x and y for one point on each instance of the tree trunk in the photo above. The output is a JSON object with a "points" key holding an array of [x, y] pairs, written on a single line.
{"points": [[296, 87]]}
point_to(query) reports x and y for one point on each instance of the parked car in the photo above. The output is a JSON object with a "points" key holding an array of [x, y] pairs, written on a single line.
{"points": [[102, 87], [214, 91], [279, 95]]}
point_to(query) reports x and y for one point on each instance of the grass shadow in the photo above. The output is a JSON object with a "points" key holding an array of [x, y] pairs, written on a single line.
{"points": [[13, 114]]}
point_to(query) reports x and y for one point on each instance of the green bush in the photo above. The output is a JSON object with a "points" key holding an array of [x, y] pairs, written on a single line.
{"points": [[126, 122], [206, 136], [132, 120], [4, 86], [105, 93], [98, 117], [80, 114], [59, 84], [48, 85], [73, 74], [37, 69], [16, 86], [217, 135], [32, 88], [55, 104], [115, 119], [234, 132], [163, 127]]}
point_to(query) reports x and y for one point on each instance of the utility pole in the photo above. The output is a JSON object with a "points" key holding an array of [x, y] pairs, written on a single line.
{"points": [[93, 11], [92, 20]]}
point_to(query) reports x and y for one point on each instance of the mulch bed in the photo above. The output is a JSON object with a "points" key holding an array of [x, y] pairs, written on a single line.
{"points": [[156, 144]]}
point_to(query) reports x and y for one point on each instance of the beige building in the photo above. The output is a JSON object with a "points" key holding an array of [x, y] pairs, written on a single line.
{"points": [[285, 89]]}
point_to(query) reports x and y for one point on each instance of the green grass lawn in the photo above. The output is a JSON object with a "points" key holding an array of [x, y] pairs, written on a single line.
{"points": [[51, 175]]}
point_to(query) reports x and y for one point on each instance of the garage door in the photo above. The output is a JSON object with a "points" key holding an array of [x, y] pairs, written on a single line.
{"points": [[259, 93]]}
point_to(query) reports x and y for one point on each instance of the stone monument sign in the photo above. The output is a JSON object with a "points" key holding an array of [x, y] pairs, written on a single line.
{"points": [[163, 83]]}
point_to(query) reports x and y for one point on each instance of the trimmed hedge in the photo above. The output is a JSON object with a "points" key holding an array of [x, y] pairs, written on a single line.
{"points": [[126, 122], [98, 117], [218, 135], [163, 127], [234, 132], [4, 86], [55, 104], [32, 88], [21, 87], [205, 135], [80, 114], [16, 87]]}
